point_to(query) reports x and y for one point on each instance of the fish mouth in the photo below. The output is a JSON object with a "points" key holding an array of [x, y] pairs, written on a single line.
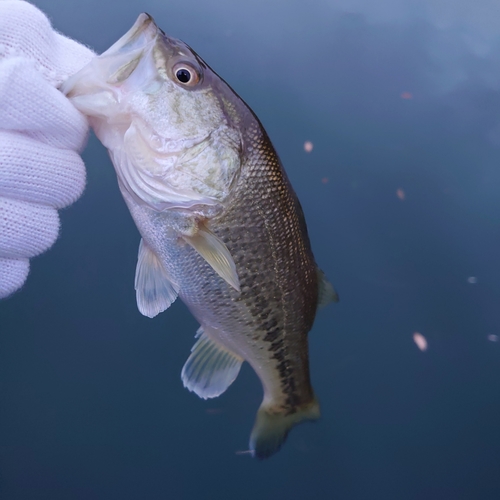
{"points": [[95, 85], [143, 32]]}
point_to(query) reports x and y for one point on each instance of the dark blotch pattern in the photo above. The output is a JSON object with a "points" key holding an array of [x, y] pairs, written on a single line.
{"points": [[264, 229]]}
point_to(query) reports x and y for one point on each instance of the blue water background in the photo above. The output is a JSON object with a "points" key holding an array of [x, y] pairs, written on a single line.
{"points": [[394, 95]]}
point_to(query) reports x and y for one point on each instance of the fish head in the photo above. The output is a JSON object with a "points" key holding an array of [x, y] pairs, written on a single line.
{"points": [[171, 124]]}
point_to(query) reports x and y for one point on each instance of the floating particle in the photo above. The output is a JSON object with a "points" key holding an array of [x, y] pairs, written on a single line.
{"points": [[493, 338], [472, 280], [406, 95], [420, 340], [214, 411], [324, 180], [400, 194], [244, 452], [308, 146]]}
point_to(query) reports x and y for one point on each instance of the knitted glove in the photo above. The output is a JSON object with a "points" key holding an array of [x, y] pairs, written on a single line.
{"points": [[41, 134]]}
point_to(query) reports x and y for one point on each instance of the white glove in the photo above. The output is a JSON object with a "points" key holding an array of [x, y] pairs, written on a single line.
{"points": [[41, 134]]}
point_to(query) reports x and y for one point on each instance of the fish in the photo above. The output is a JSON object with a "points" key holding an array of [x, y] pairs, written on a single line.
{"points": [[221, 226]]}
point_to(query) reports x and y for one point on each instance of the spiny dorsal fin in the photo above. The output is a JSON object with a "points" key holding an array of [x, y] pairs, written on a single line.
{"points": [[215, 252], [210, 369], [154, 291], [326, 292]]}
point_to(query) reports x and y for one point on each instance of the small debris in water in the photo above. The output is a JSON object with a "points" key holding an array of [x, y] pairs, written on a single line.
{"points": [[493, 338], [400, 194], [308, 146], [472, 280], [420, 340], [324, 180], [214, 411], [406, 95]]}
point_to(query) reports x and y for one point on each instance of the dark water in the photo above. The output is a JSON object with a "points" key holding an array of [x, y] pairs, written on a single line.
{"points": [[394, 96]]}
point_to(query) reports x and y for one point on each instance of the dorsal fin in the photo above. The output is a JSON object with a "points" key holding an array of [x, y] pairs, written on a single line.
{"points": [[326, 292], [211, 368], [154, 290]]}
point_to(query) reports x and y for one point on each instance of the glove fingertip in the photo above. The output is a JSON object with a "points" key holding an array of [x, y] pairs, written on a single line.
{"points": [[28, 229], [13, 274]]}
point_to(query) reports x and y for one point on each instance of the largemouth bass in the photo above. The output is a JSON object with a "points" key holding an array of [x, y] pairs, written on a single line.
{"points": [[220, 223]]}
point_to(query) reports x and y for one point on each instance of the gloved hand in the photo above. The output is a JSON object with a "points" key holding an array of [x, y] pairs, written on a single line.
{"points": [[41, 134]]}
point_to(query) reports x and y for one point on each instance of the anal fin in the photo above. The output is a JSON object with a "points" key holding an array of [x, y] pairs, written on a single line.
{"points": [[211, 368], [153, 288]]}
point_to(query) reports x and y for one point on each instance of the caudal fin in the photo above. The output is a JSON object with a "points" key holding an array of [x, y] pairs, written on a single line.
{"points": [[271, 429]]}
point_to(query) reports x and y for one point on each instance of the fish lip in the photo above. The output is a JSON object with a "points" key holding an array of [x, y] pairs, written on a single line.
{"points": [[143, 30], [140, 38]]}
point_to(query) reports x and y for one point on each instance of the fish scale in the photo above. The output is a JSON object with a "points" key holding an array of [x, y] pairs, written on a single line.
{"points": [[220, 223], [269, 283]]}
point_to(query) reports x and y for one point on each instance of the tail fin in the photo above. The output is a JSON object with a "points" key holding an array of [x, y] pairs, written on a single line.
{"points": [[271, 429]]}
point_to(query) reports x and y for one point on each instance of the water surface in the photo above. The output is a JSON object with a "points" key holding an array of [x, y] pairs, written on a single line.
{"points": [[401, 102]]}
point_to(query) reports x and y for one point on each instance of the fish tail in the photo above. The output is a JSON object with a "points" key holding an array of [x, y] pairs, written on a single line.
{"points": [[271, 428]]}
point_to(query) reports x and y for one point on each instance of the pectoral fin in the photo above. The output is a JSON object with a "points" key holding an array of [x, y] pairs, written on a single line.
{"points": [[154, 290], [326, 292], [210, 369], [215, 252]]}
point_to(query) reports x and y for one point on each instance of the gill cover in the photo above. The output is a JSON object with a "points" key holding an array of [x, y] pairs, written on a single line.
{"points": [[168, 136]]}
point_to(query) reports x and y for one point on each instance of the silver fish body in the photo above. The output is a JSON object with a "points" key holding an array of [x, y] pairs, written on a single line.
{"points": [[220, 223]]}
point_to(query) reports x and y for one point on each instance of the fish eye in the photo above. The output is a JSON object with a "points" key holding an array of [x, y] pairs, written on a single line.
{"points": [[186, 74], [183, 75]]}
